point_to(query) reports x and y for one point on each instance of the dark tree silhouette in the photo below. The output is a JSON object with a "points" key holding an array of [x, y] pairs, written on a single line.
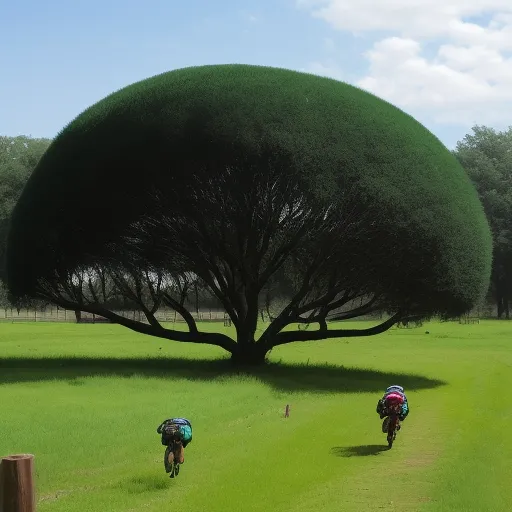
{"points": [[241, 177], [18, 157]]}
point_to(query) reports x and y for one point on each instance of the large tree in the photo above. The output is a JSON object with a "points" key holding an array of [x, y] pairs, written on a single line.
{"points": [[486, 155], [245, 177], [18, 158]]}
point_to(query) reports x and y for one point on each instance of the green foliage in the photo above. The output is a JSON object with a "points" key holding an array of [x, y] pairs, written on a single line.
{"points": [[381, 206], [486, 155], [18, 157], [4, 302]]}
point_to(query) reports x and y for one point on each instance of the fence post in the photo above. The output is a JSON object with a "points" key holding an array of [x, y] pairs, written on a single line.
{"points": [[17, 493]]}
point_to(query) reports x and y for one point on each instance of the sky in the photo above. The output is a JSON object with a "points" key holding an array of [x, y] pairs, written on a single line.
{"points": [[446, 62]]}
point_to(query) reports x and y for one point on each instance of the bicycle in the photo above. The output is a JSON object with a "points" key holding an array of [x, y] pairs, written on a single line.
{"points": [[393, 424], [171, 458], [172, 439]]}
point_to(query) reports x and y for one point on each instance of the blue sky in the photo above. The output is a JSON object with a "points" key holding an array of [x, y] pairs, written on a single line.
{"points": [[58, 57]]}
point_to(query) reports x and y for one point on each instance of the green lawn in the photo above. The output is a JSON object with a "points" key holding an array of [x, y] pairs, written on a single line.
{"points": [[86, 400]]}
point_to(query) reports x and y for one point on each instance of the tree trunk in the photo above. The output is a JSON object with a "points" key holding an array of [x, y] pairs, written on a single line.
{"points": [[499, 300], [197, 299], [248, 351], [249, 354], [78, 315]]}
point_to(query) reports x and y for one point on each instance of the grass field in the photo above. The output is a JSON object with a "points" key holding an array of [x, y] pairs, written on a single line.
{"points": [[86, 400]]}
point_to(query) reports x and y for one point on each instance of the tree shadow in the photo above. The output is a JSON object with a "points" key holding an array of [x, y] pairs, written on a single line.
{"points": [[284, 377], [359, 451]]}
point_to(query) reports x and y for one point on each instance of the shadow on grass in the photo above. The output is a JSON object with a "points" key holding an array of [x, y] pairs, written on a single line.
{"points": [[280, 376], [359, 451]]}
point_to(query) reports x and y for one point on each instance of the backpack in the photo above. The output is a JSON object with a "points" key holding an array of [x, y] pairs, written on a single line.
{"points": [[171, 432], [186, 433], [393, 399]]}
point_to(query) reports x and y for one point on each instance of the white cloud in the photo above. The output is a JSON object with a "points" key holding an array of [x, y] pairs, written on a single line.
{"points": [[468, 76], [419, 18]]}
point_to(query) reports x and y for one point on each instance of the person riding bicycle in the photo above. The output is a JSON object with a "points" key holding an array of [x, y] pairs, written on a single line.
{"points": [[176, 430], [394, 396]]}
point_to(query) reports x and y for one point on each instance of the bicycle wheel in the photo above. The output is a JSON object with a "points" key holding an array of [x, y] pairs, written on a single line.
{"points": [[392, 431], [177, 469], [169, 466]]}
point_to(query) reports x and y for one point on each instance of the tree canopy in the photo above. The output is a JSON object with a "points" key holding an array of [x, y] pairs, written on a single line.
{"points": [[18, 157], [243, 177], [486, 155]]}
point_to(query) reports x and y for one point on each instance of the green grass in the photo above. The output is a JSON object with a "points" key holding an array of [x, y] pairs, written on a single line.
{"points": [[86, 400]]}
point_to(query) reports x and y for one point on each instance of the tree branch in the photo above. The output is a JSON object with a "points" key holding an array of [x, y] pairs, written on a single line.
{"points": [[365, 309], [280, 255], [184, 312], [354, 313], [325, 302], [154, 290], [283, 318], [151, 317], [217, 339], [290, 336]]}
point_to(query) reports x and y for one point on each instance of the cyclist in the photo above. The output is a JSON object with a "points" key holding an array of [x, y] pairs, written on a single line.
{"points": [[394, 395], [176, 429]]}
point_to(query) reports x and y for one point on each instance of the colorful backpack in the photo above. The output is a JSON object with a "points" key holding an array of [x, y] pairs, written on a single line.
{"points": [[170, 432], [394, 399], [186, 433], [175, 429]]}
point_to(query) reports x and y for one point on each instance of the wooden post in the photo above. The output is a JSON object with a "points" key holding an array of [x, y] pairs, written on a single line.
{"points": [[17, 492], [287, 411]]}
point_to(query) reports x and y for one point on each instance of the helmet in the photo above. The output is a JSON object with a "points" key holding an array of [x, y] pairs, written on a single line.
{"points": [[395, 388]]}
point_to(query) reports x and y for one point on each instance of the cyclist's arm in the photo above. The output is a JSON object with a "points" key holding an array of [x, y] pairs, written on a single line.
{"points": [[159, 429]]}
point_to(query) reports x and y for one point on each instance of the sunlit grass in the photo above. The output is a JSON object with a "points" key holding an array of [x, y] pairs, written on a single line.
{"points": [[86, 400]]}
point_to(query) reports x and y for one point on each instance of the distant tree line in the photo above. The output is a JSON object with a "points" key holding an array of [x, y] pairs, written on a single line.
{"points": [[485, 154]]}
